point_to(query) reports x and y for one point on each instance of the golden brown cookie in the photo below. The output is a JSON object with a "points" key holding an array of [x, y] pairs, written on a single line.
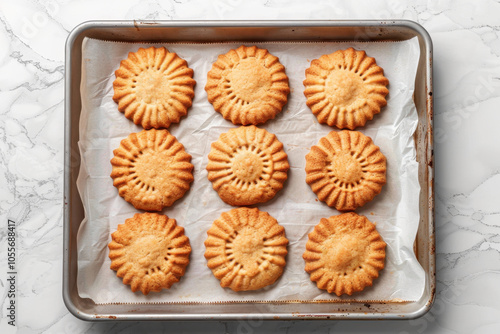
{"points": [[151, 169], [247, 85], [150, 252], [247, 165], [153, 87], [246, 249], [346, 170], [344, 254], [345, 89]]}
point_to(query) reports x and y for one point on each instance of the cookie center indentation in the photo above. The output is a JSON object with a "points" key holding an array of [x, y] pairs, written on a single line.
{"points": [[249, 164], [346, 169], [247, 249], [250, 80], [145, 250], [152, 168], [151, 87], [343, 87], [345, 252]]}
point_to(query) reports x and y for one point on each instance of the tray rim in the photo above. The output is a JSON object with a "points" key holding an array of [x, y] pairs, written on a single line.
{"points": [[83, 27]]}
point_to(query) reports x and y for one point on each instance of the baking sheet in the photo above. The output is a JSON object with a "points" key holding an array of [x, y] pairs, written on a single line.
{"points": [[395, 210]]}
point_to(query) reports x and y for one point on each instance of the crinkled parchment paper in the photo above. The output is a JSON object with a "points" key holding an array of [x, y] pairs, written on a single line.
{"points": [[394, 210]]}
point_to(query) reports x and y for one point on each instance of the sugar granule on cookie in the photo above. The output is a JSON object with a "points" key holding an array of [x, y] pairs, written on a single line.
{"points": [[247, 165], [153, 87], [344, 254], [149, 252], [247, 85], [345, 88], [346, 169], [151, 169], [246, 249]]}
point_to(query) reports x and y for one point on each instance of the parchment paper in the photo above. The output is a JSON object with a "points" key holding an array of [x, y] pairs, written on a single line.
{"points": [[394, 210]]}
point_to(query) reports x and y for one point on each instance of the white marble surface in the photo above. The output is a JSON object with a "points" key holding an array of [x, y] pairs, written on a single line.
{"points": [[467, 94]]}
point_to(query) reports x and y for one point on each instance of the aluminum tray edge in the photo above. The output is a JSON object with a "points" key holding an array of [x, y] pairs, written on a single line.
{"points": [[77, 33]]}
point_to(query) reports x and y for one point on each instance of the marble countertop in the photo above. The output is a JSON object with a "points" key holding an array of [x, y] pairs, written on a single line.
{"points": [[466, 42]]}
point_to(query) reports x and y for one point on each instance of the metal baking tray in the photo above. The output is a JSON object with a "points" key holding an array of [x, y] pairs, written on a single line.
{"points": [[249, 31]]}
